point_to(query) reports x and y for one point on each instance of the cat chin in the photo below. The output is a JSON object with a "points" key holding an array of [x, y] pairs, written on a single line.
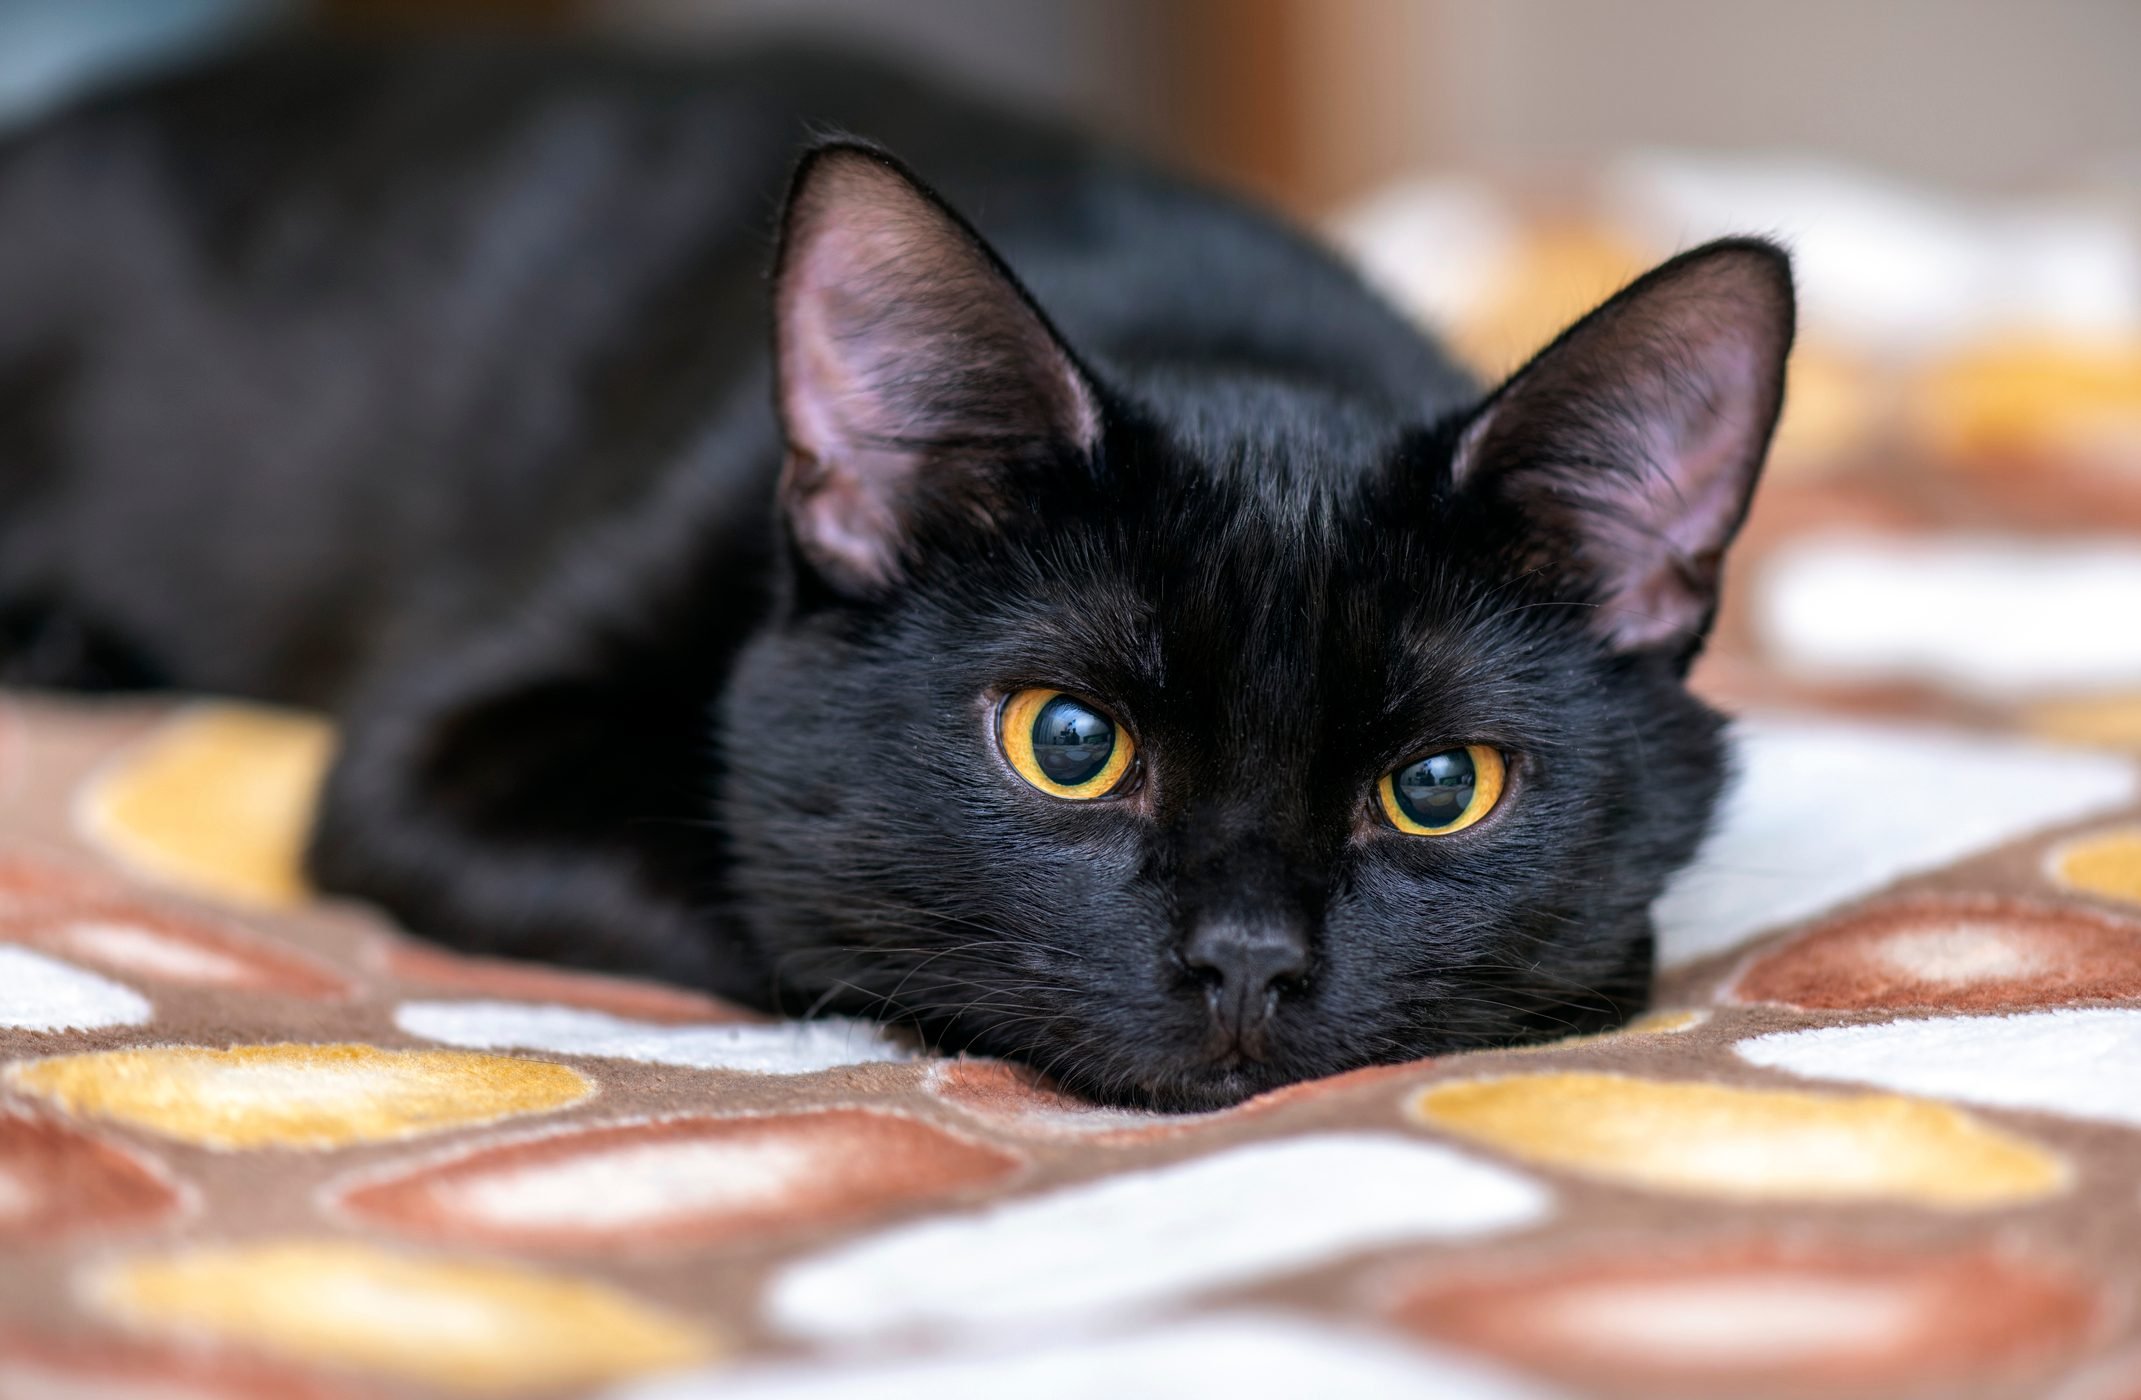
{"points": [[1193, 1091], [1187, 1088], [1215, 1085]]}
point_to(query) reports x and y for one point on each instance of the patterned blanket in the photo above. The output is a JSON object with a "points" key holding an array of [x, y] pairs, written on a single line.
{"points": [[1881, 1137]]}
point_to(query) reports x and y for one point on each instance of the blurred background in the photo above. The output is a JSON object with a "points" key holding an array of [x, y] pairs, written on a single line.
{"points": [[1316, 102], [1953, 524]]}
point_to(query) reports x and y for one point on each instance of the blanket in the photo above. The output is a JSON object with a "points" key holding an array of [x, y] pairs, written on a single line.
{"points": [[1880, 1136]]}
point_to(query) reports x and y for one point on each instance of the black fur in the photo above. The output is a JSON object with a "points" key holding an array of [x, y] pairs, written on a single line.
{"points": [[434, 388]]}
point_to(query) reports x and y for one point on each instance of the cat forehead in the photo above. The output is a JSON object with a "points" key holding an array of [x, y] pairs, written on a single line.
{"points": [[1224, 594], [1290, 440]]}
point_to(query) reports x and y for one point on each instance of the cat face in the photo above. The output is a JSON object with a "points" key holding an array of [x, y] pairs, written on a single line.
{"points": [[1182, 755]]}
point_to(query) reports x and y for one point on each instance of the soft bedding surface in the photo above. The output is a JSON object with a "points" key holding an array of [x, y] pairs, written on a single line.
{"points": [[1881, 1137]]}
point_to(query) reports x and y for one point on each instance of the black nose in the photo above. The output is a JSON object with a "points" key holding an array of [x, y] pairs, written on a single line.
{"points": [[1245, 968]]}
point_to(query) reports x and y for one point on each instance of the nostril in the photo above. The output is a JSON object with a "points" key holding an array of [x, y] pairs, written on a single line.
{"points": [[1210, 976], [1246, 964]]}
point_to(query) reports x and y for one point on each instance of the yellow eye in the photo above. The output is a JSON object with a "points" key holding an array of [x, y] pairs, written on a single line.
{"points": [[1062, 745], [1443, 792]]}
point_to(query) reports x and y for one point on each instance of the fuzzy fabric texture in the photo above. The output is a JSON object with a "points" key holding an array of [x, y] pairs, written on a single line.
{"points": [[1879, 1139]]}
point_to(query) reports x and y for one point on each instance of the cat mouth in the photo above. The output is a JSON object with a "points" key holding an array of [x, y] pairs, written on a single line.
{"points": [[1202, 1088], [1219, 1086], [1231, 1047]]}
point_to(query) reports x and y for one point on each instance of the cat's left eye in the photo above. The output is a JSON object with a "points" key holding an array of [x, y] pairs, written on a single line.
{"points": [[1065, 746], [1444, 792]]}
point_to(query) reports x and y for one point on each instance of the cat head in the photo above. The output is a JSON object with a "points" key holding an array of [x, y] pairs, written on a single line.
{"points": [[1184, 751]]}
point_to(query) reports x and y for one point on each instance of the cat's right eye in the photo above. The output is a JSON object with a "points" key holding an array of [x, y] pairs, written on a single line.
{"points": [[1065, 746], [1443, 793]]}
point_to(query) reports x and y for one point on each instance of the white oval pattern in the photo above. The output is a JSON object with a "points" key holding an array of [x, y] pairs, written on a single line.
{"points": [[1126, 1243]]}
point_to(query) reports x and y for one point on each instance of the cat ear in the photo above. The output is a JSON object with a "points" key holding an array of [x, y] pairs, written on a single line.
{"points": [[1632, 443], [912, 367]]}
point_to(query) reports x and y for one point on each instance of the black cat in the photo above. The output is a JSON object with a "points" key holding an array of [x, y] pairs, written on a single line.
{"points": [[1103, 634]]}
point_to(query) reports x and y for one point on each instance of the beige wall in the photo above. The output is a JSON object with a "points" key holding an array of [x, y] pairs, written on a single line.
{"points": [[1315, 100], [1980, 93]]}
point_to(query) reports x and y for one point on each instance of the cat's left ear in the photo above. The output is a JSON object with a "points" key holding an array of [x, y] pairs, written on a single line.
{"points": [[912, 368], [1631, 445]]}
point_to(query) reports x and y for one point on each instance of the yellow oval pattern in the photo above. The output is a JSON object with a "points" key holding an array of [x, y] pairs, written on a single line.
{"points": [[466, 1325], [2093, 721], [2107, 864], [1745, 1144], [1672, 1022], [303, 1096], [218, 800]]}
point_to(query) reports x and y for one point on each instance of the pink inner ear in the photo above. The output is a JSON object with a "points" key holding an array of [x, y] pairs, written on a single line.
{"points": [[855, 270], [819, 394], [1639, 435], [845, 526], [1693, 494], [908, 359]]}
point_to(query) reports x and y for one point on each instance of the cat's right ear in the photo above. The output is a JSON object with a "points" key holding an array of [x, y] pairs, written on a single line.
{"points": [[911, 368], [1633, 442]]}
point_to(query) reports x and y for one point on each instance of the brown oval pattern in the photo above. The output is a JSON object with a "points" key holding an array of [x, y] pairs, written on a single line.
{"points": [[99, 1367], [56, 1181], [680, 1181], [1952, 952], [86, 921], [1763, 1316]]}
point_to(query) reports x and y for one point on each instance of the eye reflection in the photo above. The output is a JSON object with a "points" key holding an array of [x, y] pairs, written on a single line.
{"points": [[1071, 741], [1444, 792], [1065, 746], [1435, 791]]}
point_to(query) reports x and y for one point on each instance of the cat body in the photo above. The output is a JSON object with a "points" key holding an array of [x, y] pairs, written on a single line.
{"points": [[672, 561]]}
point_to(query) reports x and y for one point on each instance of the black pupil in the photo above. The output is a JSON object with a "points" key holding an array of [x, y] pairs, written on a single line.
{"points": [[1436, 790], [1072, 742]]}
